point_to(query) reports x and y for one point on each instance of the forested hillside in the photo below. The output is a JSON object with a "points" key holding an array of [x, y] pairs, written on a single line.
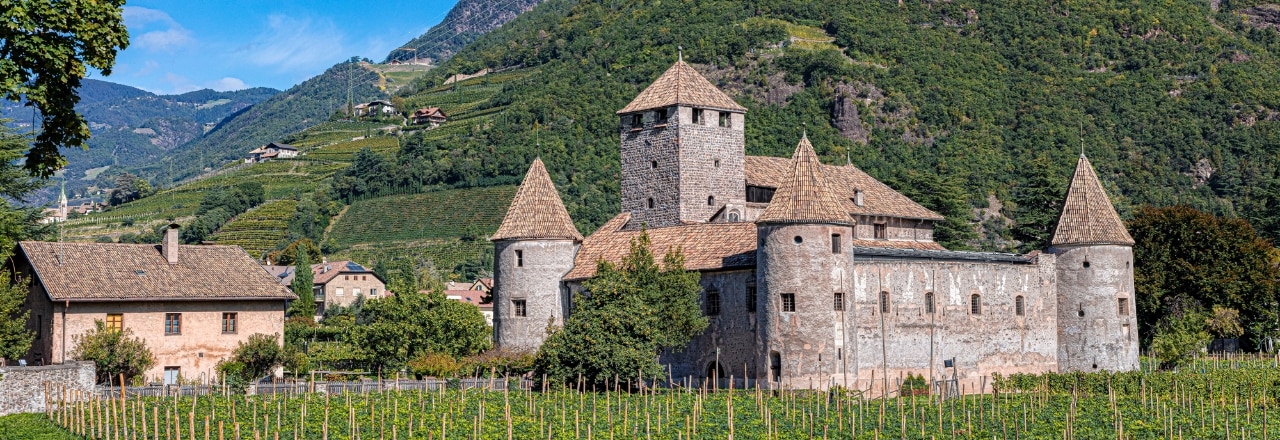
{"points": [[1173, 102], [468, 20]]}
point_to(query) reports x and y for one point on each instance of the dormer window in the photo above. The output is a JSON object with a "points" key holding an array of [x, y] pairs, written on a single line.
{"points": [[857, 197]]}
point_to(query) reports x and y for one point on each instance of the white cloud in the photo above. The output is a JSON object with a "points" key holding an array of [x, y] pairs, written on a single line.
{"points": [[155, 30], [228, 84], [290, 44]]}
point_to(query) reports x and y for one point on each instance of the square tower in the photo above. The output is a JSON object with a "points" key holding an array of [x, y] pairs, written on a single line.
{"points": [[683, 150]]}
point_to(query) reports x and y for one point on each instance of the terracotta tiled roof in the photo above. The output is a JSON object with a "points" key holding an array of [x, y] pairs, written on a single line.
{"points": [[536, 211], [473, 297], [1087, 216], [111, 272], [896, 244], [845, 181], [805, 195], [320, 275], [487, 283], [681, 85], [706, 246]]}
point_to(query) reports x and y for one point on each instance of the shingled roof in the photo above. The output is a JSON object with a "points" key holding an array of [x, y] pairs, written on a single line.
{"points": [[805, 196], [845, 181], [681, 85], [536, 211], [1087, 216], [125, 272], [706, 246]]}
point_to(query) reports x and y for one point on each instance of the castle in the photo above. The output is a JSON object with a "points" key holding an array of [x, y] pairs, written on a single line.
{"points": [[817, 275]]}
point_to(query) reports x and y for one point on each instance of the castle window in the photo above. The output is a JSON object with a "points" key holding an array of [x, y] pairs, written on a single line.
{"points": [[172, 323], [884, 302], [697, 116], [1122, 305], [115, 321], [733, 216], [928, 302], [519, 307], [1086, 265], [713, 302], [1019, 306], [775, 365], [838, 299], [751, 297], [881, 231], [716, 163], [651, 203], [788, 302], [724, 119], [975, 304], [654, 164], [519, 258], [835, 243], [711, 200], [660, 116], [637, 120]]}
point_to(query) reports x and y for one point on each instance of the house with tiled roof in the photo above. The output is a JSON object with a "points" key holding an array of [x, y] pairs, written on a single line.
{"points": [[816, 275], [340, 283], [191, 305]]}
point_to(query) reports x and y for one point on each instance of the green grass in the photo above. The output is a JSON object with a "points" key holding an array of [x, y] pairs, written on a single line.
{"points": [[31, 427]]}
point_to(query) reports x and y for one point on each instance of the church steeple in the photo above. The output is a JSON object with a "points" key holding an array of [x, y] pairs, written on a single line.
{"points": [[1087, 216]]}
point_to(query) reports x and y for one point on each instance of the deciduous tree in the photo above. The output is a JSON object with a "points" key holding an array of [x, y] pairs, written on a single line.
{"points": [[113, 352], [15, 339]]}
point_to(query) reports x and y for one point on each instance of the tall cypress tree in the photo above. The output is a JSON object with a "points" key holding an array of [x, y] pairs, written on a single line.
{"points": [[302, 285]]}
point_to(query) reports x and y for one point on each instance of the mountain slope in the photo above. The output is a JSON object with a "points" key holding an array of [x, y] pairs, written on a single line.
{"points": [[468, 20]]}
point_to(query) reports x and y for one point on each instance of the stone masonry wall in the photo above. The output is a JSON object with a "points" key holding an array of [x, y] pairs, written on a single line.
{"points": [[642, 147], [22, 389], [733, 331], [994, 340], [535, 279], [1094, 332], [711, 163]]}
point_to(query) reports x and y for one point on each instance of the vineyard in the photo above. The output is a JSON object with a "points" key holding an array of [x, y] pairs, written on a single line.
{"points": [[439, 214], [1224, 403], [260, 229]]}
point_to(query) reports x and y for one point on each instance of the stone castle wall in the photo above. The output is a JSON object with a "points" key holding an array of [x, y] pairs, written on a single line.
{"points": [[643, 146], [1094, 332], [734, 331], [22, 389], [711, 164], [533, 277]]}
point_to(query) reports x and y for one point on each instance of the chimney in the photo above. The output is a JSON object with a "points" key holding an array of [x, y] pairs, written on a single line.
{"points": [[170, 245]]}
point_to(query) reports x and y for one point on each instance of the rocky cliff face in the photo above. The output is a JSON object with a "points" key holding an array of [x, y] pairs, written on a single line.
{"points": [[468, 20]]}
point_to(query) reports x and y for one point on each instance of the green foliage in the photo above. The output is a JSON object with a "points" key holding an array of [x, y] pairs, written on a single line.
{"points": [[437, 365], [914, 385], [17, 223], [1037, 204], [32, 427], [128, 188], [1185, 256], [945, 196], [219, 206], [499, 363], [259, 229], [1179, 337], [113, 352], [259, 355], [392, 330], [15, 339], [629, 314], [1224, 322], [46, 48], [303, 284]]}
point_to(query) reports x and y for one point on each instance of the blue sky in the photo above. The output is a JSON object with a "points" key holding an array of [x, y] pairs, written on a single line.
{"points": [[180, 46]]}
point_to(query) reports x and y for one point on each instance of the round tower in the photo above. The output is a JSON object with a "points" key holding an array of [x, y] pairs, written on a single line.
{"points": [[533, 249], [1097, 319], [803, 261]]}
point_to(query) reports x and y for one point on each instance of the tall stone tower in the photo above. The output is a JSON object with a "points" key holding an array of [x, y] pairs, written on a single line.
{"points": [[803, 270], [1097, 319], [682, 151], [533, 249]]}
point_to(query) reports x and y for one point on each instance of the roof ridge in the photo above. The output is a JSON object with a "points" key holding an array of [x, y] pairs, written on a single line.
{"points": [[805, 197], [537, 211], [681, 84], [1087, 214]]}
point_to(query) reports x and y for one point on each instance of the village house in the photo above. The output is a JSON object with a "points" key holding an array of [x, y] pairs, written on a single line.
{"points": [[475, 293], [375, 108], [270, 151], [339, 283], [191, 305], [432, 116]]}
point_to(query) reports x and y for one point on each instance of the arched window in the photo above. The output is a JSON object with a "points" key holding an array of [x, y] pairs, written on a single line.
{"points": [[733, 216], [1020, 305], [975, 304], [711, 200], [928, 302], [884, 302], [651, 203]]}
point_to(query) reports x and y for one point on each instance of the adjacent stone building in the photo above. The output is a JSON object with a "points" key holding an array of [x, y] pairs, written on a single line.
{"points": [[191, 305], [817, 275]]}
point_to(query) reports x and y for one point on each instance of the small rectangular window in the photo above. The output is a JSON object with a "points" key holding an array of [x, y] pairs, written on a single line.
{"points": [[1019, 306], [788, 302], [637, 121], [660, 116], [373, 292], [519, 258], [975, 304], [228, 323], [697, 116], [115, 321], [172, 323], [881, 231], [1122, 305], [724, 119], [751, 297], [838, 302], [928, 302], [713, 302], [835, 243], [519, 306], [338, 291], [884, 302]]}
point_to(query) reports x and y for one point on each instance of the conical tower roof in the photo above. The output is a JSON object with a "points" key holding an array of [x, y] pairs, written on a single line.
{"points": [[805, 197], [536, 211], [681, 85], [1088, 217]]}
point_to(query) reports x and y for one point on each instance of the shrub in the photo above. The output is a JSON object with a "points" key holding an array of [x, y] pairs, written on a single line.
{"points": [[499, 363], [114, 352], [434, 365]]}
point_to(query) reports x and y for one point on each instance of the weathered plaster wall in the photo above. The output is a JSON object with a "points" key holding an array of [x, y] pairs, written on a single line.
{"points": [[996, 339], [1094, 333], [22, 389], [537, 282], [352, 286]]}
